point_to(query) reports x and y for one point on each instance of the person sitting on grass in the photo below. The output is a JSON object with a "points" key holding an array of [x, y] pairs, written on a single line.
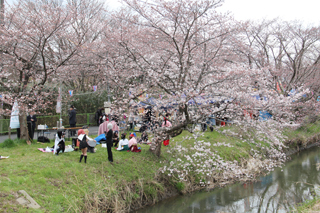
{"points": [[115, 138], [144, 138], [132, 140], [59, 144], [123, 143], [133, 143]]}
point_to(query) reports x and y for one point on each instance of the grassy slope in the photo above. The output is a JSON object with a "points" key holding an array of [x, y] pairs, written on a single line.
{"points": [[61, 183], [303, 132]]}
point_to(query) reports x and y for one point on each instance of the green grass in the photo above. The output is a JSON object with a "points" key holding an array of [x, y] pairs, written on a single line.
{"points": [[62, 184], [305, 131], [309, 206], [56, 181], [238, 151]]}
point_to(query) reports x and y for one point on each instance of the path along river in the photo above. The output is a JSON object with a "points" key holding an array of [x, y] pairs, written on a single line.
{"points": [[297, 181]]}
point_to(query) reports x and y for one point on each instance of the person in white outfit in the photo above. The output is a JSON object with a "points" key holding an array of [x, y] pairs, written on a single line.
{"points": [[59, 144], [123, 143]]}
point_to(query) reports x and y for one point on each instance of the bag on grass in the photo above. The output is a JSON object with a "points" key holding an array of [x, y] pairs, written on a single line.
{"points": [[43, 139]]}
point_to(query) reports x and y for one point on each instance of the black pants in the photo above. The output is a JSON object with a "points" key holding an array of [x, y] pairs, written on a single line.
{"points": [[18, 133], [30, 130], [72, 132], [61, 147], [33, 129], [116, 142], [109, 146]]}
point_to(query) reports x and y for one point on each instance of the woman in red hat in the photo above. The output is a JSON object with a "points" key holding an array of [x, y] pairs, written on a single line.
{"points": [[132, 140]]}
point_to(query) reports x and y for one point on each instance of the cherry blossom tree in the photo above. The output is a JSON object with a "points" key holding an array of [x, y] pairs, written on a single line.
{"points": [[184, 52], [37, 40], [288, 51]]}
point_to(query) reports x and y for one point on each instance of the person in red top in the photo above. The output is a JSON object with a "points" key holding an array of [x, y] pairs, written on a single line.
{"points": [[166, 123]]}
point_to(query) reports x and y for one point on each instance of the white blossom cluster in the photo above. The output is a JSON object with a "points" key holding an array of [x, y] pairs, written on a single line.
{"points": [[203, 164], [223, 144]]}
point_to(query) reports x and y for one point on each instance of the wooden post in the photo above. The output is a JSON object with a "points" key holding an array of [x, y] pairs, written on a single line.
{"points": [[9, 132]]}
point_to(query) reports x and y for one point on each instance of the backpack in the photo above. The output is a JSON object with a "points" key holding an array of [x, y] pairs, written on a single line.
{"points": [[43, 139]]}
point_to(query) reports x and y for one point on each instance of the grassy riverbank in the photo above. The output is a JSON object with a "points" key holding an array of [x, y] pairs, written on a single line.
{"points": [[62, 184], [310, 206]]}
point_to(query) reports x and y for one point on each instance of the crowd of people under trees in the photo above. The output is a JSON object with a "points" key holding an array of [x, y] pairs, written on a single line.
{"points": [[108, 132], [213, 56]]}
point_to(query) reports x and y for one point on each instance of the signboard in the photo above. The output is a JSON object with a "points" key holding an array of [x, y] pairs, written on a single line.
{"points": [[58, 107], [107, 106], [14, 120]]}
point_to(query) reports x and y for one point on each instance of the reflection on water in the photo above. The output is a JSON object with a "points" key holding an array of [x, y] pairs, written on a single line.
{"points": [[296, 182]]}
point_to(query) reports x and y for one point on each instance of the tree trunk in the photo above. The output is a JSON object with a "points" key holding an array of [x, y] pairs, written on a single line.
{"points": [[155, 146], [164, 134], [23, 126]]}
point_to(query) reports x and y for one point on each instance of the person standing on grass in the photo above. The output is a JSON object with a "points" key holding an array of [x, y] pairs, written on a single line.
{"points": [[166, 123], [98, 116], [72, 119], [82, 137], [109, 141], [31, 120]]}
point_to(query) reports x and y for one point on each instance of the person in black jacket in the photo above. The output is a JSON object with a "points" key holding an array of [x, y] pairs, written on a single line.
{"points": [[31, 120], [72, 119], [98, 116], [115, 138], [109, 141]]}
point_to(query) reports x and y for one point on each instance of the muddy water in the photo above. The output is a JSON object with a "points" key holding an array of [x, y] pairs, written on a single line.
{"points": [[297, 181]]}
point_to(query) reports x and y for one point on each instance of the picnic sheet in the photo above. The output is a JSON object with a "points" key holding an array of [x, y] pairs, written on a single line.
{"points": [[48, 149]]}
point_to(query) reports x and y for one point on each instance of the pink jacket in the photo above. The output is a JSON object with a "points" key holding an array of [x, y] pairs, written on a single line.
{"points": [[168, 124], [103, 127], [115, 126], [132, 141]]}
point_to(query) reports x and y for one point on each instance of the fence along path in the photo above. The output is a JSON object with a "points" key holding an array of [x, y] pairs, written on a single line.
{"points": [[51, 121]]}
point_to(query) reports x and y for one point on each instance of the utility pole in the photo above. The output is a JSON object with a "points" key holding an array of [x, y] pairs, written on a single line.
{"points": [[1, 12], [1, 65], [107, 79], [107, 105]]}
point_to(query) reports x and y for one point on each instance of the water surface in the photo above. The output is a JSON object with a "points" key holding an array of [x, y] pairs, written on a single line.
{"points": [[297, 181]]}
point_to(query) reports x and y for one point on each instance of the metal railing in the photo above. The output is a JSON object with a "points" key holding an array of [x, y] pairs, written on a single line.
{"points": [[51, 121]]}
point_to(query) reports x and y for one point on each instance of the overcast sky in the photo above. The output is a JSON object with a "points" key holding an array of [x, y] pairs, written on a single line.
{"points": [[304, 10], [307, 11]]}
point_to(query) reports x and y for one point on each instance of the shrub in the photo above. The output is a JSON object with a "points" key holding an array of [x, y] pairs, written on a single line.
{"points": [[180, 186], [8, 144]]}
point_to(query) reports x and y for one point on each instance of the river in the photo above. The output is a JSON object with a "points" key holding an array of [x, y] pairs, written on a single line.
{"points": [[279, 191]]}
